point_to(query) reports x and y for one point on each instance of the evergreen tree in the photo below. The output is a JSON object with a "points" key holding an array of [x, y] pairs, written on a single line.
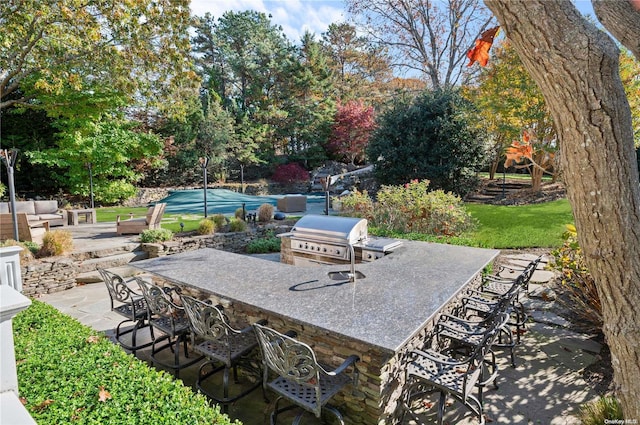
{"points": [[429, 137]]}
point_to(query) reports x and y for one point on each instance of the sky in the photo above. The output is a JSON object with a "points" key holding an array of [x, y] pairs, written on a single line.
{"points": [[298, 16], [295, 16]]}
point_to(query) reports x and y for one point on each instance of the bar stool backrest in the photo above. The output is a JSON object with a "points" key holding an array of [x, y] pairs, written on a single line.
{"points": [[119, 292], [288, 357]]}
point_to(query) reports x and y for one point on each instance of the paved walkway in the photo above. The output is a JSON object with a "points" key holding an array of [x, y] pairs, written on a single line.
{"points": [[546, 387]]}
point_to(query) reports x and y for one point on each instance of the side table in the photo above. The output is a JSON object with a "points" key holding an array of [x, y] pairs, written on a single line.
{"points": [[88, 213]]}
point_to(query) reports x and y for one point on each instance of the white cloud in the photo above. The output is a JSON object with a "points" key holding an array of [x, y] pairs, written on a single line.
{"points": [[295, 16]]}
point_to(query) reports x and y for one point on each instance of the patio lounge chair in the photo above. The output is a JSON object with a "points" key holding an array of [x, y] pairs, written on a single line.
{"points": [[27, 231], [137, 225]]}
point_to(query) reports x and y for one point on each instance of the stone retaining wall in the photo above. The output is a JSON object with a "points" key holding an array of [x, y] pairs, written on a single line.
{"points": [[48, 275], [54, 274]]}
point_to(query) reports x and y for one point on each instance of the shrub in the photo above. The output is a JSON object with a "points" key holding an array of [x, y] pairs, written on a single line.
{"points": [[290, 173], [237, 225], [270, 243], [29, 249], [69, 373], [238, 214], [604, 410], [155, 235], [411, 208], [265, 213], [56, 242], [577, 282], [219, 220], [357, 204], [206, 227]]}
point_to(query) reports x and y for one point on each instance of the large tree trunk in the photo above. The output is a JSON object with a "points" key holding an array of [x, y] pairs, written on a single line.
{"points": [[576, 67]]}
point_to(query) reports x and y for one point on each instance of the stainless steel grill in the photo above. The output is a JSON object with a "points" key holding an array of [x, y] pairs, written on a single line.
{"points": [[322, 239], [327, 236]]}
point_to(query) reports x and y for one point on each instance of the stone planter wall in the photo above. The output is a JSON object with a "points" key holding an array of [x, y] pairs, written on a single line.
{"points": [[232, 242], [53, 274]]}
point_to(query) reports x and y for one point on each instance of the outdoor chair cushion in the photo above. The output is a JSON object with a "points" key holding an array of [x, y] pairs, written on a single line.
{"points": [[46, 207], [292, 203], [27, 207]]}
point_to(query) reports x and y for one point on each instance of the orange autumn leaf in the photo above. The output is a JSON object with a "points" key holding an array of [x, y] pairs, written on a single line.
{"points": [[480, 52], [104, 395], [519, 150]]}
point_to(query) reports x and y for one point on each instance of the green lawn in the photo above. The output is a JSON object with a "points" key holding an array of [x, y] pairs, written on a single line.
{"points": [[522, 226], [169, 221]]}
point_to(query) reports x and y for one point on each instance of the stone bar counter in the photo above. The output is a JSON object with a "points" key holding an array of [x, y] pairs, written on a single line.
{"points": [[379, 317]]}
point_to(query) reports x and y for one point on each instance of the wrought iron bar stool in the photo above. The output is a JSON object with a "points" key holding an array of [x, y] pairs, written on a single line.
{"points": [[430, 371], [129, 304], [484, 303], [300, 379], [221, 344], [499, 285], [171, 320], [454, 333]]}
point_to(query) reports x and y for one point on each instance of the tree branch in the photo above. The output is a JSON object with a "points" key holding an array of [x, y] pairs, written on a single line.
{"points": [[622, 20]]}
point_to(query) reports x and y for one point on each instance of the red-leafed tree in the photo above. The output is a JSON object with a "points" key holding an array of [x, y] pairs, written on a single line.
{"points": [[351, 130]]}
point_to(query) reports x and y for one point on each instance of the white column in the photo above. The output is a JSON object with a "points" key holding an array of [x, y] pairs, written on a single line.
{"points": [[11, 303], [10, 267]]}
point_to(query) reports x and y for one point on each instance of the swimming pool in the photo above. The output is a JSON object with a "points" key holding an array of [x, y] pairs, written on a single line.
{"points": [[222, 201]]}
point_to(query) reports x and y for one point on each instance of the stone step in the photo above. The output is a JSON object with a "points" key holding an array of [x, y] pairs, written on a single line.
{"points": [[478, 197], [110, 261], [119, 248], [94, 276], [510, 185], [497, 191]]}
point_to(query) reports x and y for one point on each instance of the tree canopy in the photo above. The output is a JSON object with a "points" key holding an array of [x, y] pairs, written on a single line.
{"points": [[426, 36], [69, 57], [514, 113]]}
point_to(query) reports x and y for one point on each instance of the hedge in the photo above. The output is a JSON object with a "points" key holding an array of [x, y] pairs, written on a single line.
{"points": [[71, 374]]}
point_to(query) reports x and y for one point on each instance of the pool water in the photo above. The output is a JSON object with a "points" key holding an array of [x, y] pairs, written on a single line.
{"points": [[222, 201]]}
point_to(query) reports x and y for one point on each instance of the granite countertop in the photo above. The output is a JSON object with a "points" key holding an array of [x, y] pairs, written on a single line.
{"points": [[400, 293]]}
